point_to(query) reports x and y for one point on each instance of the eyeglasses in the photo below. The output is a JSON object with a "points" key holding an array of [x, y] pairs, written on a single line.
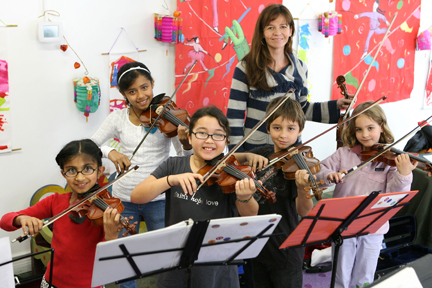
{"points": [[204, 136], [73, 173]]}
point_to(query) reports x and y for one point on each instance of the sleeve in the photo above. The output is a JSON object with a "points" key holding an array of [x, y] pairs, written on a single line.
{"points": [[323, 112], [397, 182], [41, 210], [179, 148], [107, 131], [330, 165], [237, 105], [163, 169]]}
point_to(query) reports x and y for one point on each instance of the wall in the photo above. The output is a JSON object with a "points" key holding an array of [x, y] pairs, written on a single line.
{"points": [[44, 117]]}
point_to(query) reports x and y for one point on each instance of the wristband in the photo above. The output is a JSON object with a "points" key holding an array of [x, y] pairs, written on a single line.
{"points": [[244, 201], [168, 181]]}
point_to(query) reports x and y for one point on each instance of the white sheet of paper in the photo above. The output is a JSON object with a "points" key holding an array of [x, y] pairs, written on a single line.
{"points": [[388, 201], [407, 277], [6, 271], [175, 236]]}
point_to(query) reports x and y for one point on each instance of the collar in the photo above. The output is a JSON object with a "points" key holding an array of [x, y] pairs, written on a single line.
{"points": [[357, 149]]}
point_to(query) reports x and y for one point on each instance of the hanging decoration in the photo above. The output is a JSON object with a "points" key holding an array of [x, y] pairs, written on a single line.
{"points": [[330, 23], [5, 129], [423, 41], [427, 102], [87, 95], [168, 29]]}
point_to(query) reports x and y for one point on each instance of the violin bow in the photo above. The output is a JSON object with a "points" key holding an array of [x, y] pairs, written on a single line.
{"points": [[221, 163], [163, 109], [370, 67], [388, 148], [61, 214], [293, 149]]}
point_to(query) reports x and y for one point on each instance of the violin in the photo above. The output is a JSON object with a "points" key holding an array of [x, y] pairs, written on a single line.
{"points": [[231, 173], [79, 203], [302, 158], [172, 116], [94, 209], [389, 157], [340, 80]]}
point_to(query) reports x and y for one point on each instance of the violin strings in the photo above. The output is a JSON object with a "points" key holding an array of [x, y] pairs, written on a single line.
{"points": [[240, 175], [103, 206], [173, 119], [302, 164]]}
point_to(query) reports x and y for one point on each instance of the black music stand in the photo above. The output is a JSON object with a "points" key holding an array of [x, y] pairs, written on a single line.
{"points": [[189, 243], [339, 218], [34, 254]]}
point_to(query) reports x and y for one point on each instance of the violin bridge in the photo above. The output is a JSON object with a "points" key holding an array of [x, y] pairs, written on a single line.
{"points": [[159, 110]]}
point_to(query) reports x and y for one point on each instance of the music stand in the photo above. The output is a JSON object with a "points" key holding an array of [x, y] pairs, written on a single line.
{"points": [[338, 218], [180, 246], [34, 254]]}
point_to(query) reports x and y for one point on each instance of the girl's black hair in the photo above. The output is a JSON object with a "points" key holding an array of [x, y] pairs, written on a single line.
{"points": [[74, 148], [128, 78], [211, 111]]}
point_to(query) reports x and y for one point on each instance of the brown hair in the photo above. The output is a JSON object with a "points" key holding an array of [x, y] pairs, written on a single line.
{"points": [[259, 56], [376, 113], [290, 110]]}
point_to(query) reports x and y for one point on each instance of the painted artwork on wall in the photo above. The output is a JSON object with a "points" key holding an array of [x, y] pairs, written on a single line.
{"points": [[427, 103], [365, 24], [5, 129], [216, 35]]}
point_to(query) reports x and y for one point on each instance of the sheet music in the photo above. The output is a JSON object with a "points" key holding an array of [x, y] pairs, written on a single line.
{"points": [[6, 271], [175, 236]]}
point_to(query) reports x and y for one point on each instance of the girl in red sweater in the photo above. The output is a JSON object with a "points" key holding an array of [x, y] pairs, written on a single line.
{"points": [[75, 244]]}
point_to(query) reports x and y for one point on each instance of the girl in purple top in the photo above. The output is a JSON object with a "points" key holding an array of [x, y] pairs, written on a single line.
{"points": [[358, 256]]}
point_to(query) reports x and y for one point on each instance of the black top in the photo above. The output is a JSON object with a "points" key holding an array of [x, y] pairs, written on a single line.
{"points": [[285, 205], [207, 203]]}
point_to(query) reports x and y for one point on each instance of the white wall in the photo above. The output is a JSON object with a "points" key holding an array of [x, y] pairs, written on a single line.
{"points": [[44, 117]]}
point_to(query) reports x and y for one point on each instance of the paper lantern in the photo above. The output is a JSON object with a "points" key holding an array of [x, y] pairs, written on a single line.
{"points": [[87, 95], [330, 23], [168, 28], [423, 41]]}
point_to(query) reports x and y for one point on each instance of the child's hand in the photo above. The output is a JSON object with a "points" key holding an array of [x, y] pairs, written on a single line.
{"points": [[121, 161], [337, 176], [187, 181], [245, 189], [182, 136], [34, 225], [257, 162], [111, 222], [302, 179], [404, 165]]}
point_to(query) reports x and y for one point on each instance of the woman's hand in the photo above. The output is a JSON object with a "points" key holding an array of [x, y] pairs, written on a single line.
{"points": [[404, 165], [257, 162], [343, 103], [182, 133], [120, 161], [30, 225], [187, 181], [337, 176]]}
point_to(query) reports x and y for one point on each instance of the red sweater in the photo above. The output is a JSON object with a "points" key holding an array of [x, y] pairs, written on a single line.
{"points": [[74, 244]]}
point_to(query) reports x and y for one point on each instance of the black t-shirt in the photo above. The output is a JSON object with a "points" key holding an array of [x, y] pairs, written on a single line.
{"points": [[209, 202], [285, 205]]}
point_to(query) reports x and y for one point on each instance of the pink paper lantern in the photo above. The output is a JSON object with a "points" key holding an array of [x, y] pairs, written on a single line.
{"points": [[423, 41]]}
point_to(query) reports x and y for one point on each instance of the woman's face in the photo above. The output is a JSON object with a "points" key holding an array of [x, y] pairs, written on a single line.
{"points": [[277, 33]]}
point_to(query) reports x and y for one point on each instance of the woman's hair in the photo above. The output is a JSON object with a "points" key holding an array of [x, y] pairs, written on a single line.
{"points": [[129, 77], [376, 114], [78, 147], [259, 56], [211, 111], [290, 110]]}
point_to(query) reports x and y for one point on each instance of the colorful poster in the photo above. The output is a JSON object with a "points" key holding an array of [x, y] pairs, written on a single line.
{"points": [[365, 23], [205, 25], [5, 129], [427, 103]]}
